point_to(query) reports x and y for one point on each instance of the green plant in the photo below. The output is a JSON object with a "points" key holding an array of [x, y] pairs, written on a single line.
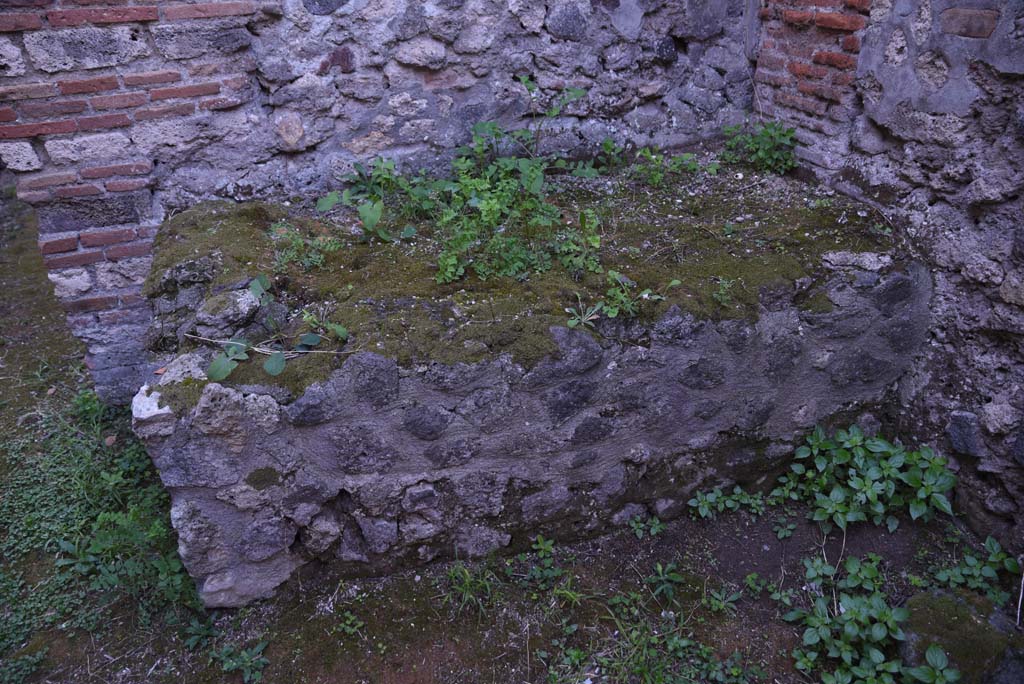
{"points": [[768, 147], [849, 629], [292, 247], [721, 600], [578, 250], [582, 315], [937, 670], [468, 588], [783, 529], [198, 633], [87, 516], [850, 477], [649, 167], [723, 293], [544, 573], [642, 527], [708, 504], [623, 298], [237, 350], [249, 661], [665, 580], [981, 574], [349, 625]]}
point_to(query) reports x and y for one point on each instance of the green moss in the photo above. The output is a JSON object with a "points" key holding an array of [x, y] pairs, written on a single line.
{"points": [[388, 298], [263, 478], [182, 396], [817, 303], [235, 233], [959, 624]]}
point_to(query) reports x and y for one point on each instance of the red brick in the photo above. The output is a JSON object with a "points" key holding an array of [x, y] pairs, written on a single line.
{"points": [[859, 5], [84, 190], [779, 80], [134, 249], [222, 102], [820, 90], [108, 15], [90, 303], [766, 13], [119, 101], [797, 17], [236, 82], [134, 169], [127, 184], [33, 196], [7, 114], [26, 91], [47, 181], [840, 22], [771, 61], [21, 21], [195, 90], [73, 259], [151, 78], [94, 123], [205, 11], [844, 79], [851, 43], [94, 2], [102, 238], [180, 109], [132, 301], [57, 245], [838, 60], [29, 3], [89, 85], [804, 104], [33, 129], [39, 110], [969, 23], [807, 70]]}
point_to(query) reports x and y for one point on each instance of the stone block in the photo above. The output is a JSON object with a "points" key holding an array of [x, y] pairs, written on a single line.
{"points": [[11, 61], [19, 156], [85, 48], [969, 23], [89, 148], [186, 41]]}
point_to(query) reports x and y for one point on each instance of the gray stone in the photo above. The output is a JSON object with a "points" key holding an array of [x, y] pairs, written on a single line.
{"points": [[964, 433], [120, 209], [11, 62], [380, 534], [422, 52], [85, 48], [195, 39], [222, 315], [69, 283], [478, 541], [88, 148], [567, 22], [19, 156]]}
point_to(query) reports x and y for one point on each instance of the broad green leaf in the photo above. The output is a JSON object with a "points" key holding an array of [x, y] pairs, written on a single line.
{"points": [[274, 365], [220, 368], [936, 657], [310, 339], [328, 201]]}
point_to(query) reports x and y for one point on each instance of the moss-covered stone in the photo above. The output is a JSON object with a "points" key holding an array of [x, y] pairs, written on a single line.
{"points": [[263, 478], [961, 625], [181, 397], [725, 246]]}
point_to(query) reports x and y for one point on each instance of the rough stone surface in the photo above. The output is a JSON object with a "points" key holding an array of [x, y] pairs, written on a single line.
{"points": [[19, 156], [381, 466], [85, 48]]}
